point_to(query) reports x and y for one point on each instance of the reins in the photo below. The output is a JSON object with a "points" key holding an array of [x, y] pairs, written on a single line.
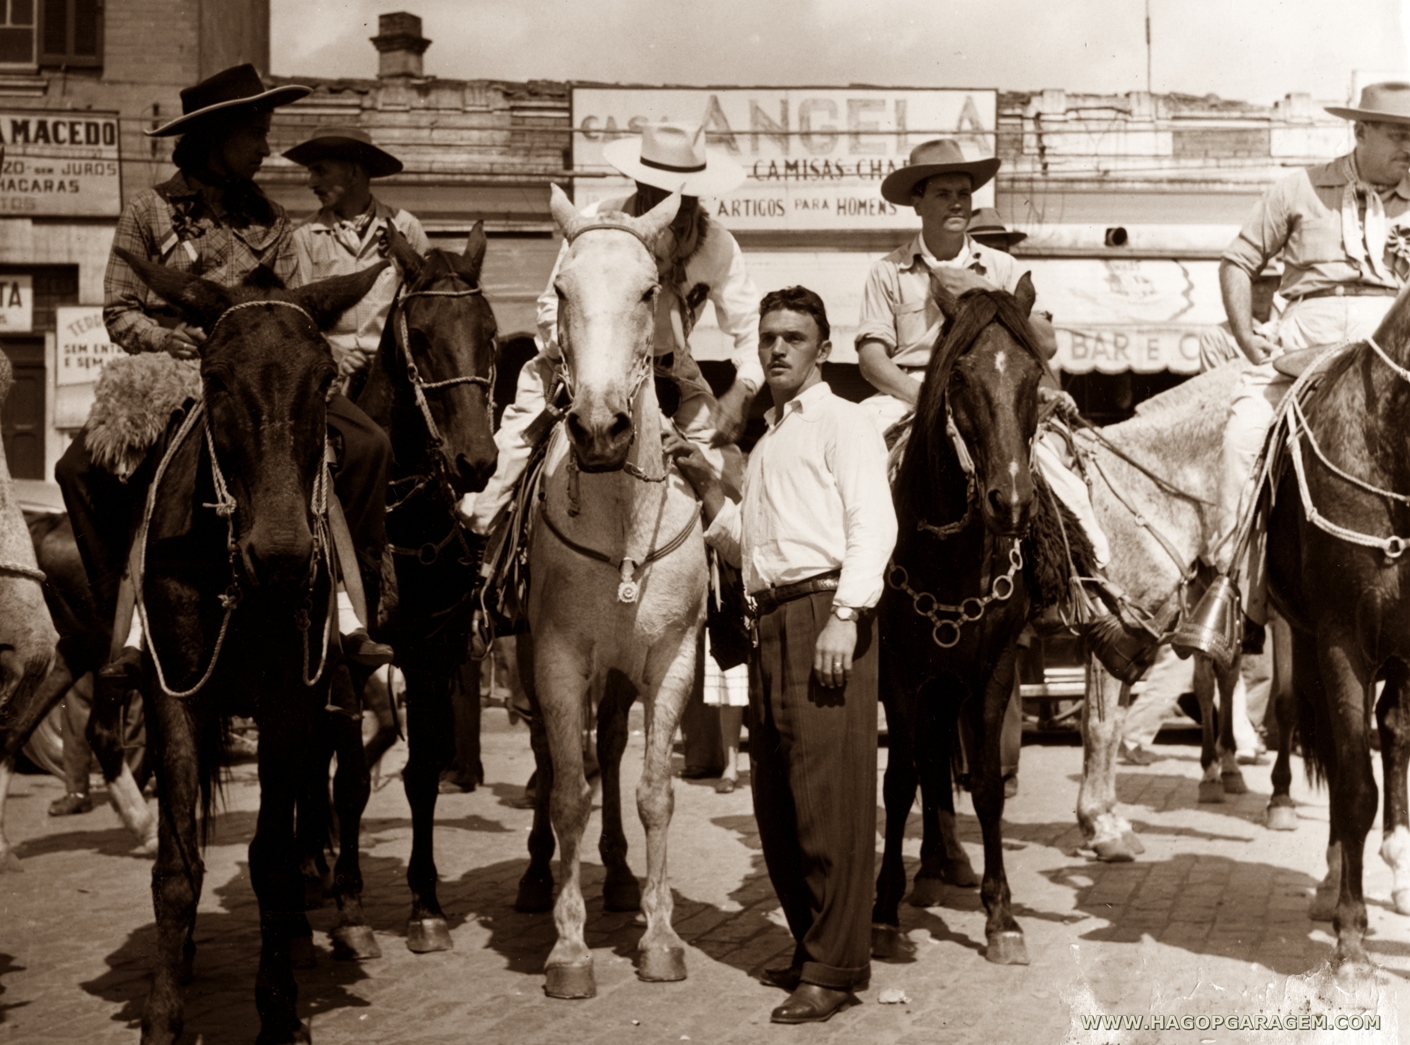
{"points": [[19, 569]]}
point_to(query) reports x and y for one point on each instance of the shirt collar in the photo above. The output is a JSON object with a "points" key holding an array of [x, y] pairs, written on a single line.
{"points": [[177, 187], [919, 254], [326, 221], [1341, 172], [805, 404]]}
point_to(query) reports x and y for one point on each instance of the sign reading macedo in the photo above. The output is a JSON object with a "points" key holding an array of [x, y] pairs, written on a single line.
{"points": [[59, 164], [815, 157]]}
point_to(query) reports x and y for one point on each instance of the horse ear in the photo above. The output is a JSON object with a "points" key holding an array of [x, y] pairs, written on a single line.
{"points": [[654, 222], [199, 300], [402, 252], [328, 299], [563, 211], [949, 304], [1024, 293], [476, 243]]}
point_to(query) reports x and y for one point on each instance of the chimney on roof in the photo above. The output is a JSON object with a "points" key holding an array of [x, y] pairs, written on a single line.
{"points": [[400, 45]]}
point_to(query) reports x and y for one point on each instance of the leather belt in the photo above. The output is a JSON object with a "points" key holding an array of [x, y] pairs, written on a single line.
{"points": [[770, 599], [1350, 290]]}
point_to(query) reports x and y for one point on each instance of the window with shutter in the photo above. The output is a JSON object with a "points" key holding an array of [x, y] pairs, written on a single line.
{"points": [[71, 32]]}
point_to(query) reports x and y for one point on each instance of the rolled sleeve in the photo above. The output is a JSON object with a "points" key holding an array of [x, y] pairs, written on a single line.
{"points": [[726, 534], [736, 302], [1265, 232], [877, 319], [857, 458]]}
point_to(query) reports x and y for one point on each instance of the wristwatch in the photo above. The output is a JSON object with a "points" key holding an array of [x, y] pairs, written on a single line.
{"points": [[846, 613]]}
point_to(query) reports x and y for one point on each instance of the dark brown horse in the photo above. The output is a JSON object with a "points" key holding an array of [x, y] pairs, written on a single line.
{"points": [[235, 597], [964, 497], [431, 387], [1341, 581]]}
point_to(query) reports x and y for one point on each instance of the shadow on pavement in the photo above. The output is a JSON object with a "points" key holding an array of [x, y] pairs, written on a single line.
{"points": [[7, 966]]}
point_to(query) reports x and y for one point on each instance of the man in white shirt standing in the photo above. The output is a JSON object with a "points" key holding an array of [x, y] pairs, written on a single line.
{"points": [[813, 534]]}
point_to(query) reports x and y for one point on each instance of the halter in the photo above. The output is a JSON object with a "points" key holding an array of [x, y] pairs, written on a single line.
{"points": [[255, 304]]}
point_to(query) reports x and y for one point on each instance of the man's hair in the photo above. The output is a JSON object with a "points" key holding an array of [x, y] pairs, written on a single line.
{"points": [[797, 299], [918, 189]]}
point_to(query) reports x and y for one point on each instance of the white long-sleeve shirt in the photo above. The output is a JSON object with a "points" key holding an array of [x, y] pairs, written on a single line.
{"points": [[717, 264], [815, 499]]}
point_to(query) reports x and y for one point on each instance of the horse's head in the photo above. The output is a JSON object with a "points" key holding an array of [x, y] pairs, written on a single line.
{"points": [[607, 290], [445, 332], [266, 370], [981, 389]]}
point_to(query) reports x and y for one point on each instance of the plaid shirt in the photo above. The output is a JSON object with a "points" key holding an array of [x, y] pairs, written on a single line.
{"points": [[172, 225]]}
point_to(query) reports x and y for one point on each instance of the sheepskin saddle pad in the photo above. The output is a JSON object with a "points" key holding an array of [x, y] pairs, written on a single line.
{"points": [[134, 401]]}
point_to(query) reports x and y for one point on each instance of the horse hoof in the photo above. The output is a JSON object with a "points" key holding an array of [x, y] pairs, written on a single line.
{"points": [[885, 941], [570, 981], [1323, 905], [354, 943], [1233, 783], [424, 935], [927, 892], [623, 894], [301, 953], [10, 863], [1282, 818], [534, 896], [1133, 842], [298, 1034], [958, 872], [1402, 901], [1115, 851], [662, 965], [1007, 948], [1210, 792]]}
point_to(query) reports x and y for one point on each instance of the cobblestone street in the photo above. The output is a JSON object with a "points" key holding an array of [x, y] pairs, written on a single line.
{"points": [[1211, 921]]}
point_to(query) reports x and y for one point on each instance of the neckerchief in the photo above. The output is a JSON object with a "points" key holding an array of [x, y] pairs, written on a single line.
{"points": [[1364, 239]]}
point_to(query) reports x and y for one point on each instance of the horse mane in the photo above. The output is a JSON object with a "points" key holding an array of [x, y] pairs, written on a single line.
{"points": [[930, 455]]}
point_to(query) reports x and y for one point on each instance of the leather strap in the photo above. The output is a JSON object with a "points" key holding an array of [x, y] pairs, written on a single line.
{"points": [[347, 557]]}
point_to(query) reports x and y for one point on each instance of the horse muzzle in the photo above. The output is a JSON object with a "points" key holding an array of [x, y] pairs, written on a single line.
{"points": [[1007, 508], [278, 560], [600, 443]]}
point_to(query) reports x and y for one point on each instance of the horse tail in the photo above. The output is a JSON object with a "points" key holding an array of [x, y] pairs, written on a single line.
{"points": [[1312, 761], [212, 732]]}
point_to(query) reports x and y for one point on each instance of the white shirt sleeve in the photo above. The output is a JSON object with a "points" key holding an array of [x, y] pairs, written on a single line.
{"points": [[547, 313], [726, 534], [856, 455], [736, 301]]}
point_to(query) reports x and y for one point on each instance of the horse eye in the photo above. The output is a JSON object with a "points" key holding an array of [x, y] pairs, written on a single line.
{"points": [[650, 292]]}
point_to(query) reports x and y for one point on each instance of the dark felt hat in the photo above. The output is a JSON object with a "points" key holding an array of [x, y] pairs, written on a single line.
{"points": [[344, 142], [236, 87], [942, 156], [986, 225]]}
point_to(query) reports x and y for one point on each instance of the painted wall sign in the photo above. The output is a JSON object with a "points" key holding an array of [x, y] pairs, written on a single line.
{"points": [[59, 163]]}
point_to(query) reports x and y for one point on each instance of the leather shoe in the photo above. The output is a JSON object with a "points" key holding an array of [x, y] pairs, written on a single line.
{"points": [[125, 667], [813, 1004], [360, 648], [788, 978], [71, 803]]}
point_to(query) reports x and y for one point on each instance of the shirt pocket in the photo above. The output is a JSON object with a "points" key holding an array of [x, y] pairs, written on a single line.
{"points": [[911, 323]]}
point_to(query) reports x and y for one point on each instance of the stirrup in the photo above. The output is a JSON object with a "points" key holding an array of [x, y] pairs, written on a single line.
{"points": [[1212, 628]]}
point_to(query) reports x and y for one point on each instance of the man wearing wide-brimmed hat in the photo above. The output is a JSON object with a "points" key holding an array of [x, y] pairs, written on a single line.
{"points": [[988, 229], [1342, 230], [348, 233], [699, 261]]}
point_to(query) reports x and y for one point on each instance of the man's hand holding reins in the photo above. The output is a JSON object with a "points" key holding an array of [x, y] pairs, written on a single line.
{"points": [[184, 341], [691, 463]]}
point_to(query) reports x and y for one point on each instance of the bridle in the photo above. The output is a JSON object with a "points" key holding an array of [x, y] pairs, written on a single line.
{"points": [[420, 386]]}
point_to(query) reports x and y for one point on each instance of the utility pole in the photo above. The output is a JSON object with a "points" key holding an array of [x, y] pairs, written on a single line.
{"points": [[1149, 88]]}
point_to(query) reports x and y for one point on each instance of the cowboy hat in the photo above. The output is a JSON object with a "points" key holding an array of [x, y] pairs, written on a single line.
{"points": [[672, 156], [342, 142], [238, 86], [985, 225], [1380, 103], [942, 156]]}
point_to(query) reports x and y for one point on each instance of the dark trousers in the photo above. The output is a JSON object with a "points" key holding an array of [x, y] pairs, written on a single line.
{"points": [[105, 511], [812, 754]]}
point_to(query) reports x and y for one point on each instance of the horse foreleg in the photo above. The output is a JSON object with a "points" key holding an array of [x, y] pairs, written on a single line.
{"points": [[1103, 717], [352, 786], [1393, 720], [1002, 932], [942, 858], [21, 722], [8, 860], [536, 887], [430, 732], [898, 791], [620, 889], [1210, 790], [178, 872], [377, 698], [562, 685], [104, 734], [662, 952], [1282, 811]]}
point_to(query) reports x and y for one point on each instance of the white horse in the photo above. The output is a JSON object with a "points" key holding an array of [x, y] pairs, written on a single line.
{"points": [[618, 569], [27, 636]]}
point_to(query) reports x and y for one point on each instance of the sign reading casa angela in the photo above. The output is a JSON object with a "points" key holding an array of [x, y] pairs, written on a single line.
{"points": [[59, 164], [815, 157]]}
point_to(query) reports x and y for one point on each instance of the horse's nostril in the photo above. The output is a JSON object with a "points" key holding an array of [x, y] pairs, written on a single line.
{"points": [[996, 500], [621, 425], [575, 428]]}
